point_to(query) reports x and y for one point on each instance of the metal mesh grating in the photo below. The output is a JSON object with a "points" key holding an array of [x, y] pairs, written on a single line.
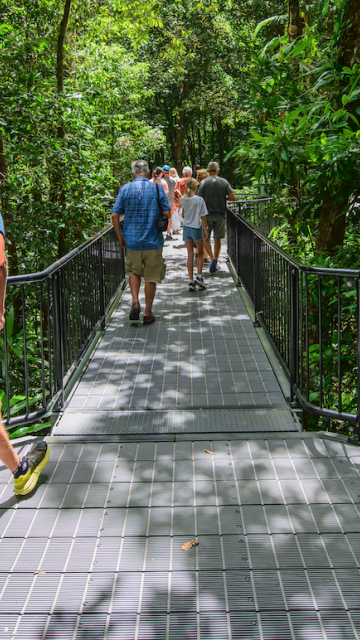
{"points": [[267, 567], [201, 421]]}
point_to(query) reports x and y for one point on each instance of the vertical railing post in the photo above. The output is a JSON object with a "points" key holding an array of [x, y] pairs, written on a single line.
{"points": [[294, 330], [101, 284], [257, 276], [358, 355], [57, 342]]}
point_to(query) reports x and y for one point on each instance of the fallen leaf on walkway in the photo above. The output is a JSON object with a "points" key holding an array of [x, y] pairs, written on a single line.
{"points": [[38, 571], [188, 545], [211, 452]]}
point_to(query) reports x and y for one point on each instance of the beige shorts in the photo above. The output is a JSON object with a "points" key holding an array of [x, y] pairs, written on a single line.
{"points": [[148, 263]]}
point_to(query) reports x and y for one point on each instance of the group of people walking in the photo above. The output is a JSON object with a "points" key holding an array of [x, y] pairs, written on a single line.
{"points": [[200, 196]]}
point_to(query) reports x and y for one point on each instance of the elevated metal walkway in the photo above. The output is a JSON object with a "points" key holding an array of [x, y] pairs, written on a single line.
{"points": [[191, 371], [179, 431]]}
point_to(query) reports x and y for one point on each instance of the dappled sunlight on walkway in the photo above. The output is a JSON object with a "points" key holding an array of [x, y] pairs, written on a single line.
{"points": [[179, 432], [202, 351], [96, 551]]}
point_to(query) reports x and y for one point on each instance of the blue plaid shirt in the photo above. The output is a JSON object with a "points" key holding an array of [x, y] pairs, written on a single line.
{"points": [[137, 201]]}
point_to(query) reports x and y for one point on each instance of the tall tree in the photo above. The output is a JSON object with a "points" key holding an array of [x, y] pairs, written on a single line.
{"points": [[334, 208], [58, 176]]}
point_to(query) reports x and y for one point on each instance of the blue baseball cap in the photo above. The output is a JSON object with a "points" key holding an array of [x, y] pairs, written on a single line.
{"points": [[166, 167]]}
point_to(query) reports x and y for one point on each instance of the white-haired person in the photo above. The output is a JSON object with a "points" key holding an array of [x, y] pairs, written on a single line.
{"points": [[194, 231], [180, 185]]}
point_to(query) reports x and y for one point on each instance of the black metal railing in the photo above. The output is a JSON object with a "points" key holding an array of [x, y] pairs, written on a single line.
{"points": [[312, 316], [51, 319], [256, 209]]}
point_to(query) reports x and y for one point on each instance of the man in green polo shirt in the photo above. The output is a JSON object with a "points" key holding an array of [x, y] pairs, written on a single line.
{"points": [[216, 192]]}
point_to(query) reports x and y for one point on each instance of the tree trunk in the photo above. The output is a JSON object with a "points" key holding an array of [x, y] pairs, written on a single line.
{"points": [[191, 150], [179, 141], [193, 144], [332, 222], [59, 172], [295, 22], [221, 141], [350, 37], [179, 137], [60, 47], [173, 150], [200, 146], [212, 139]]}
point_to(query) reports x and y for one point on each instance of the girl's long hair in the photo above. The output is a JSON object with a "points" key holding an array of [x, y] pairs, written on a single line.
{"points": [[173, 173], [157, 173], [203, 174], [190, 184]]}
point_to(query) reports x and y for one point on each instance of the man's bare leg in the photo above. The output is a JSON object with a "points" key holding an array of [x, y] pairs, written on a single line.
{"points": [[134, 283], [150, 289], [217, 247], [7, 454], [208, 249]]}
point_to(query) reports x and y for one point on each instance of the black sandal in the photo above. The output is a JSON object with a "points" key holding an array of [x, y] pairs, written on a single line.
{"points": [[134, 312], [149, 319]]}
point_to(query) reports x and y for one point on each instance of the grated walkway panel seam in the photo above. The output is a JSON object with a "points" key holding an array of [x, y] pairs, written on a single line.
{"points": [[162, 422]]}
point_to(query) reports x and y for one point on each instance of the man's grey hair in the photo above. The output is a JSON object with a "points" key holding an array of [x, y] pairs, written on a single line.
{"points": [[140, 168], [187, 171], [213, 166]]}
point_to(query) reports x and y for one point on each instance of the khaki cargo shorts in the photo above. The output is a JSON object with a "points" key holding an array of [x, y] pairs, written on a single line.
{"points": [[148, 263], [216, 222]]}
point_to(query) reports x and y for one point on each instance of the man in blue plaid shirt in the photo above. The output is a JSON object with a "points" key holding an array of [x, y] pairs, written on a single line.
{"points": [[140, 204]]}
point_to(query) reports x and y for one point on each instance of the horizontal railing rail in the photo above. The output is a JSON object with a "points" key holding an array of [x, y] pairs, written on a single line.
{"points": [[312, 316], [52, 316], [256, 209]]}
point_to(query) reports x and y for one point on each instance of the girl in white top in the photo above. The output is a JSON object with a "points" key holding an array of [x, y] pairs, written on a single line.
{"points": [[195, 230]]}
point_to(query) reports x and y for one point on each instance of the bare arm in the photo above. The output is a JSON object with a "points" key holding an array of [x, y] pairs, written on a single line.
{"points": [[204, 223], [3, 274], [231, 197], [167, 213], [116, 224]]}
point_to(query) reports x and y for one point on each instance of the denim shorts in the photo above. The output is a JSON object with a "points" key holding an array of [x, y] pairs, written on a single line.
{"points": [[193, 235]]}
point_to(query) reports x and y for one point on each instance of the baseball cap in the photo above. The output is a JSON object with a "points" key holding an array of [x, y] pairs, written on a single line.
{"points": [[166, 167]]}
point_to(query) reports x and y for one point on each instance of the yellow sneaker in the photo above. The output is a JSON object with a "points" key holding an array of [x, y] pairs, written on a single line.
{"points": [[25, 481]]}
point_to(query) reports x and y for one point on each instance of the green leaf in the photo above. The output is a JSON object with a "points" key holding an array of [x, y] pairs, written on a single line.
{"points": [[267, 21], [256, 135], [29, 429], [325, 8], [10, 322], [299, 48]]}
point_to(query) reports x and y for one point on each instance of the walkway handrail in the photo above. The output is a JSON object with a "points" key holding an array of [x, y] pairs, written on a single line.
{"points": [[312, 316], [42, 275], [256, 209], [52, 317]]}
